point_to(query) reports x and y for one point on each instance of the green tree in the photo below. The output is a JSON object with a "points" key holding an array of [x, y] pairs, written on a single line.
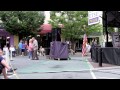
{"points": [[22, 23], [74, 22]]}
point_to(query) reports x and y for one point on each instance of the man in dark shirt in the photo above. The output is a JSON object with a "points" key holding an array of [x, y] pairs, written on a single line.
{"points": [[93, 44]]}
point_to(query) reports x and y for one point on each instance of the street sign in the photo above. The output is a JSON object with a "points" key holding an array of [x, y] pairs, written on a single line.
{"points": [[93, 17]]}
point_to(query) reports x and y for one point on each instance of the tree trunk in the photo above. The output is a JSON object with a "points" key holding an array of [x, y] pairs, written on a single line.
{"points": [[62, 39], [73, 44]]}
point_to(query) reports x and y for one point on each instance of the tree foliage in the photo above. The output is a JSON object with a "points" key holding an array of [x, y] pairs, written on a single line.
{"points": [[22, 22], [74, 22]]}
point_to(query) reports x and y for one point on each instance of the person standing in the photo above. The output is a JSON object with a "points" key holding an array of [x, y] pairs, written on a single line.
{"points": [[20, 47], [88, 47], [26, 48], [23, 48], [95, 43], [35, 49], [92, 45], [30, 49], [12, 50], [6, 54]]}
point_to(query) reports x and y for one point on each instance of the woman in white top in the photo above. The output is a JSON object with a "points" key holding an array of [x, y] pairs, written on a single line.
{"points": [[12, 49], [6, 53], [88, 47]]}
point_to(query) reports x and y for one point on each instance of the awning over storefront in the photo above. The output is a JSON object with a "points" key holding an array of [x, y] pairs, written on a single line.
{"points": [[45, 28], [3, 32]]}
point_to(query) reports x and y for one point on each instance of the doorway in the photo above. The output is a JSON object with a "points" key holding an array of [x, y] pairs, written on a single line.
{"points": [[2, 41]]}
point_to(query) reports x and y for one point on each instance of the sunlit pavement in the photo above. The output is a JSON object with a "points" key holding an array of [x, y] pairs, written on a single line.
{"points": [[76, 68]]}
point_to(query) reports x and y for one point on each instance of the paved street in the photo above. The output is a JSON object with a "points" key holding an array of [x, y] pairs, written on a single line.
{"points": [[61, 32], [76, 68]]}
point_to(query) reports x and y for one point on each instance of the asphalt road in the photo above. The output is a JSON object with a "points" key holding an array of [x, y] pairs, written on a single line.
{"points": [[76, 68]]}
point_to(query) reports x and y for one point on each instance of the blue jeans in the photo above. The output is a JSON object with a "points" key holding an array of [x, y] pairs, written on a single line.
{"points": [[30, 54]]}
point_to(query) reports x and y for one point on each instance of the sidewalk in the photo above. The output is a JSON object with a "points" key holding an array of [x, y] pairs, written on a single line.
{"points": [[94, 64]]}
